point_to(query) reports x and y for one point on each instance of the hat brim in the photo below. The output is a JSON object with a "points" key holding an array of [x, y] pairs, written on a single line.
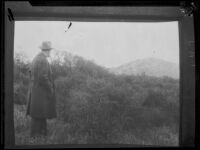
{"points": [[43, 49]]}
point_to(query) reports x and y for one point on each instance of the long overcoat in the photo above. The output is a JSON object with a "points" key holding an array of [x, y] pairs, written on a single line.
{"points": [[41, 95]]}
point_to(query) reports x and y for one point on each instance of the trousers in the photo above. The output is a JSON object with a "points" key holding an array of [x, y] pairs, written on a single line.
{"points": [[38, 127]]}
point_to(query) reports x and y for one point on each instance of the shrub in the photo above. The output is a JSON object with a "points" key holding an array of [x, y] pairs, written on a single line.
{"points": [[169, 109], [21, 122], [95, 106], [155, 99], [20, 93]]}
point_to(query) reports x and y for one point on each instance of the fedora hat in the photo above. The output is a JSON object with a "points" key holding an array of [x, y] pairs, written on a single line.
{"points": [[46, 45]]}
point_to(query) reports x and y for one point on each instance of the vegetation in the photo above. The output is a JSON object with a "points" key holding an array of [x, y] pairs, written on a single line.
{"points": [[95, 106]]}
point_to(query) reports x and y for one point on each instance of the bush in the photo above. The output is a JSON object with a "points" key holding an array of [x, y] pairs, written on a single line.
{"points": [[20, 93], [95, 106], [155, 99], [21, 123], [169, 109]]}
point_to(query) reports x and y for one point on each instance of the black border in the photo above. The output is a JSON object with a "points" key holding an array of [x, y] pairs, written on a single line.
{"points": [[2, 73], [103, 3], [197, 73]]}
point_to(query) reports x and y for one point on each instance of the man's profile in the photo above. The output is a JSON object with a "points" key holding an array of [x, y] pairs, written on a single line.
{"points": [[41, 96]]}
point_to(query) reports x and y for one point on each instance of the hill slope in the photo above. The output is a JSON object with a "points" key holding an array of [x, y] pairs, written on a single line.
{"points": [[149, 66]]}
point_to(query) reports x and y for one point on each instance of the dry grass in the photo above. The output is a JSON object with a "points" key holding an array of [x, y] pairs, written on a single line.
{"points": [[60, 133]]}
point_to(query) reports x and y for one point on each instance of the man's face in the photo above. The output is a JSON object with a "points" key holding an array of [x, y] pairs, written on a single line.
{"points": [[47, 53]]}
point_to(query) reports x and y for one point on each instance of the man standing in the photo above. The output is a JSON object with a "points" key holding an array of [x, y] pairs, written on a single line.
{"points": [[41, 98]]}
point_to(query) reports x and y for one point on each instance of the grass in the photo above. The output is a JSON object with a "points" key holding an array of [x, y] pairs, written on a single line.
{"points": [[60, 132], [161, 136]]}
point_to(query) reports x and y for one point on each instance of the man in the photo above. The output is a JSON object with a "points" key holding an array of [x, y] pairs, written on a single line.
{"points": [[41, 98]]}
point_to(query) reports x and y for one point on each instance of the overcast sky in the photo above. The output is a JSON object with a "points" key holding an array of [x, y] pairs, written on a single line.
{"points": [[108, 44]]}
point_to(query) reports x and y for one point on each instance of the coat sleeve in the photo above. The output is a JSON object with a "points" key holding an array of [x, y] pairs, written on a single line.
{"points": [[43, 77]]}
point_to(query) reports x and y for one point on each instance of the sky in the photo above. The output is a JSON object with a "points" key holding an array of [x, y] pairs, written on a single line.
{"points": [[109, 44]]}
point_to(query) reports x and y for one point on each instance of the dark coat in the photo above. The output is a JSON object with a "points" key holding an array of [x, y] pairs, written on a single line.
{"points": [[41, 95]]}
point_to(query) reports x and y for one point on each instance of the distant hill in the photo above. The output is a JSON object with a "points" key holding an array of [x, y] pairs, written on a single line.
{"points": [[149, 66]]}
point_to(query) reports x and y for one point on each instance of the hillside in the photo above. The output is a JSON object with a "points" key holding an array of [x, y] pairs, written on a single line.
{"points": [[149, 66]]}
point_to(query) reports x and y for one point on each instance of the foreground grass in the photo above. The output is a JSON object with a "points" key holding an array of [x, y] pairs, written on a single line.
{"points": [[59, 132]]}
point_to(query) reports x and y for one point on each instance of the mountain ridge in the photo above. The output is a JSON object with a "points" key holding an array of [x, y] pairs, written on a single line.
{"points": [[150, 66]]}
